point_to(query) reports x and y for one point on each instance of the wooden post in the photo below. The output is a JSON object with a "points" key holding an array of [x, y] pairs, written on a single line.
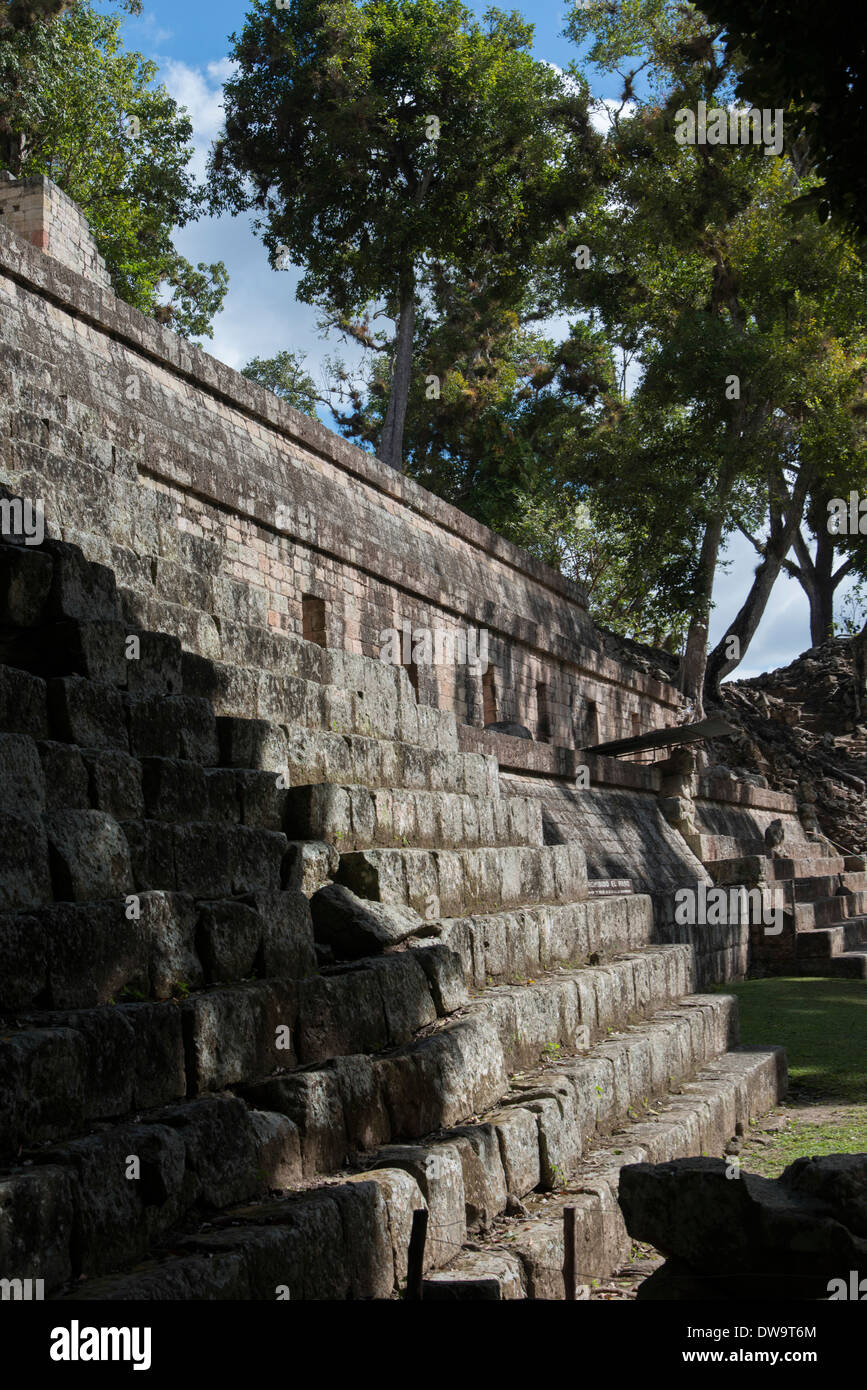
{"points": [[569, 1250], [415, 1257]]}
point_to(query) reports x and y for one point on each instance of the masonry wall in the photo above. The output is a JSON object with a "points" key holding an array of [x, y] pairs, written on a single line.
{"points": [[39, 211], [217, 504]]}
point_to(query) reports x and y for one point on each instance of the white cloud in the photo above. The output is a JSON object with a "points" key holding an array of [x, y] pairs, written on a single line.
{"points": [[604, 109], [201, 93]]}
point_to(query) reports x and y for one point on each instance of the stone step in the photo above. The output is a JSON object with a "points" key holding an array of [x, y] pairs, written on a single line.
{"points": [[617, 1073], [447, 883], [825, 912], [848, 965], [824, 942], [69, 1069], [154, 945], [523, 1257], [509, 946], [349, 1238], [461, 1068], [827, 885], [381, 706], [79, 1209], [307, 755], [358, 818], [759, 868]]}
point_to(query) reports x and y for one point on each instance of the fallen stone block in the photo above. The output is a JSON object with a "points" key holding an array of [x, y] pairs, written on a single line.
{"points": [[354, 927], [781, 1234]]}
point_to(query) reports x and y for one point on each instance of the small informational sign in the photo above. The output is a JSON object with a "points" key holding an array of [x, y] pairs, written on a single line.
{"points": [[609, 887]]}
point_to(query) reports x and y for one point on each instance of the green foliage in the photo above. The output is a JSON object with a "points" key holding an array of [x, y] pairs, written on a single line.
{"points": [[811, 61], [284, 374], [700, 273], [391, 146], [78, 108]]}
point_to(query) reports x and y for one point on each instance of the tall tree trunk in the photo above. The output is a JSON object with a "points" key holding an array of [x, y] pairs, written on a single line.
{"points": [[859, 663], [391, 446], [692, 666], [824, 584], [743, 628], [819, 581]]}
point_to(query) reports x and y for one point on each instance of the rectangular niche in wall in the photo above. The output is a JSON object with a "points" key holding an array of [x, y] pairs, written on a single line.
{"points": [[543, 714], [313, 620], [591, 725], [489, 698]]}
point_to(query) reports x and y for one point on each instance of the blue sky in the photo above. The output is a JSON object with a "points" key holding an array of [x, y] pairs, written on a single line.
{"points": [[189, 42]]}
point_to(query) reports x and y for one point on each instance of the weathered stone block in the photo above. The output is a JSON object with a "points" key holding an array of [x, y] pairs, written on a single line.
{"points": [[287, 933], [22, 784], [89, 856], [152, 854], [228, 940], [25, 880], [237, 1032], [23, 703], [115, 783], [25, 583], [94, 952], [64, 776], [87, 713], [37, 1226], [168, 926], [174, 790]]}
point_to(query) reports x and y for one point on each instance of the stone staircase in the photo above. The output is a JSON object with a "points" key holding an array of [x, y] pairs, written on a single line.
{"points": [[824, 904], [206, 1091]]}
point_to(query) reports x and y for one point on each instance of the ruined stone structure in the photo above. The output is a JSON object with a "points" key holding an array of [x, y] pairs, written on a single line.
{"points": [[290, 946]]}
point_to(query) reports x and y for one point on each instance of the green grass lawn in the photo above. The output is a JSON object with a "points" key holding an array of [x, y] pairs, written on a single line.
{"points": [[822, 1024]]}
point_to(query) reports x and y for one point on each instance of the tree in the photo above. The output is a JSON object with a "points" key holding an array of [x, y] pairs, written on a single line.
{"points": [[731, 307], [811, 61], [381, 140], [284, 374], [81, 110]]}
